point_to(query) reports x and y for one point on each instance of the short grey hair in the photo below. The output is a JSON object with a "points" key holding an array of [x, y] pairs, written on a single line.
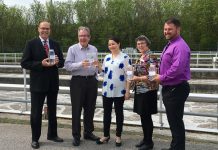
{"points": [[84, 28], [143, 38]]}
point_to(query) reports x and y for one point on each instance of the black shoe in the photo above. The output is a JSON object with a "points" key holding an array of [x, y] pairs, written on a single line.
{"points": [[35, 144], [91, 136], [55, 139], [118, 142], [166, 149], [76, 142], [142, 142], [146, 147], [103, 140]]}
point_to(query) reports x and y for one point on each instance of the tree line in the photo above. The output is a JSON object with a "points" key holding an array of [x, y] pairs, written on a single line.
{"points": [[126, 19]]}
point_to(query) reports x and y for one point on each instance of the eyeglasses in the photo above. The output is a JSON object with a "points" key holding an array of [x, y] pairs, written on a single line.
{"points": [[45, 28], [84, 36], [141, 43]]}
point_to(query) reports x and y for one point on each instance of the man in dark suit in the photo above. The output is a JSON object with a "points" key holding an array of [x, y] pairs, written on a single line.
{"points": [[44, 81]]}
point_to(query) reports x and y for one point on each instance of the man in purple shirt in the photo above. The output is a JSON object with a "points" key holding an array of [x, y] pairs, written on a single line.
{"points": [[174, 74]]}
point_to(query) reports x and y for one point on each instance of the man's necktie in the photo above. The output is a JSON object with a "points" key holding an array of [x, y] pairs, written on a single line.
{"points": [[45, 45]]}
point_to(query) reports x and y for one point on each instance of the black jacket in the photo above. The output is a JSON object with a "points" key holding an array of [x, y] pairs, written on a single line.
{"points": [[42, 79]]}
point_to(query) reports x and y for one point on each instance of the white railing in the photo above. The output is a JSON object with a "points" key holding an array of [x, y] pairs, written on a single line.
{"points": [[198, 59], [193, 97], [215, 61]]}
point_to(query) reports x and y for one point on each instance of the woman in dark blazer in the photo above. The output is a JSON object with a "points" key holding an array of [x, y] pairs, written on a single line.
{"points": [[145, 97], [44, 81]]}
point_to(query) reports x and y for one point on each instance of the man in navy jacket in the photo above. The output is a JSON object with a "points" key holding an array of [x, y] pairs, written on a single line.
{"points": [[44, 81]]}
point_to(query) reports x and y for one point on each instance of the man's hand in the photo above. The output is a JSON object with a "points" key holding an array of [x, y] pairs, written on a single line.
{"points": [[95, 63], [45, 63], [156, 79], [85, 64], [56, 60], [98, 65]]}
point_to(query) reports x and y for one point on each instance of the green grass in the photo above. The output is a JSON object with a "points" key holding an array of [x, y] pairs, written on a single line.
{"points": [[14, 121]]}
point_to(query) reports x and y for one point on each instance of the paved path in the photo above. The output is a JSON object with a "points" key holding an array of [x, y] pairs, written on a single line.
{"points": [[17, 137], [191, 122]]}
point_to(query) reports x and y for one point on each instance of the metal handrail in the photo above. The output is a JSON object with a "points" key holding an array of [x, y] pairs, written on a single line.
{"points": [[193, 97], [198, 59]]}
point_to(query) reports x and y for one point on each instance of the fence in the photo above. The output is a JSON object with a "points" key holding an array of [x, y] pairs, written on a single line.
{"points": [[198, 59], [193, 97]]}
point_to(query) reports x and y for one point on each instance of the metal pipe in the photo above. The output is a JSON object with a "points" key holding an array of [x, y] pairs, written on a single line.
{"points": [[9, 57], [206, 98], [161, 107], [217, 117], [15, 57], [126, 108], [25, 87]]}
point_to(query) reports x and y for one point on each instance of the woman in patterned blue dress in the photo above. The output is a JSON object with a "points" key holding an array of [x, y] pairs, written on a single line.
{"points": [[114, 89], [145, 97]]}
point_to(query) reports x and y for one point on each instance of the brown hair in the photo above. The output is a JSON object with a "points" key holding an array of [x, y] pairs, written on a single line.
{"points": [[143, 38]]}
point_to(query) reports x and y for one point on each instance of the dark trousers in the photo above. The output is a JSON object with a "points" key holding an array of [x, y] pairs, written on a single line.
{"points": [[147, 127], [37, 101], [174, 98], [83, 93], [118, 105]]}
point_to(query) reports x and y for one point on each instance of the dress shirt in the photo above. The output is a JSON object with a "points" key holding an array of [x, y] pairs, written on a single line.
{"points": [[75, 55], [175, 62], [47, 41]]}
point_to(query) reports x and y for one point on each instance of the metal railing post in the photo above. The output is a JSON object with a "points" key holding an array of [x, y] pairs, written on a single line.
{"points": [[161, 107], [45, 109], [15, 58], [217, 117], [25, 87], [214, 61], [4, 58]]}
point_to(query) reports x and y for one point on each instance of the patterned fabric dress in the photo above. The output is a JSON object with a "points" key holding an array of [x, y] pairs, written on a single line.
{"points": [[145, 98], [114, 79]]}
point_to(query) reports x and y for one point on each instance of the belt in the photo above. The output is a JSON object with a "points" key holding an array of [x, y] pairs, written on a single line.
{"points": [[168, 86], [84, 77]]}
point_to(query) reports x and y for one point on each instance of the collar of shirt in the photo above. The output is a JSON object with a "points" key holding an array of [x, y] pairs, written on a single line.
{"points": [[42, 40], [83, 48], [147, 52], [175, 39]]}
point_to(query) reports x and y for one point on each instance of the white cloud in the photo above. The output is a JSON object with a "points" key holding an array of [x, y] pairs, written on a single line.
{"points": [[25, 3]]}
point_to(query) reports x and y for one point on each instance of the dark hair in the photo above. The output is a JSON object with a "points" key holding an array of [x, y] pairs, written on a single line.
{"points": [[174, 21], [114, 38], [143, 38], [44, 20]]}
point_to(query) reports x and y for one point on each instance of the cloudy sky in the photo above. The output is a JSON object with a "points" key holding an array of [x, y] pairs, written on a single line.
{"points": [[25, 3]]}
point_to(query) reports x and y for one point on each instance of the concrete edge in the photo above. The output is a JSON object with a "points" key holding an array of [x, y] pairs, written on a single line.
{"points": [[159, 133]]}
